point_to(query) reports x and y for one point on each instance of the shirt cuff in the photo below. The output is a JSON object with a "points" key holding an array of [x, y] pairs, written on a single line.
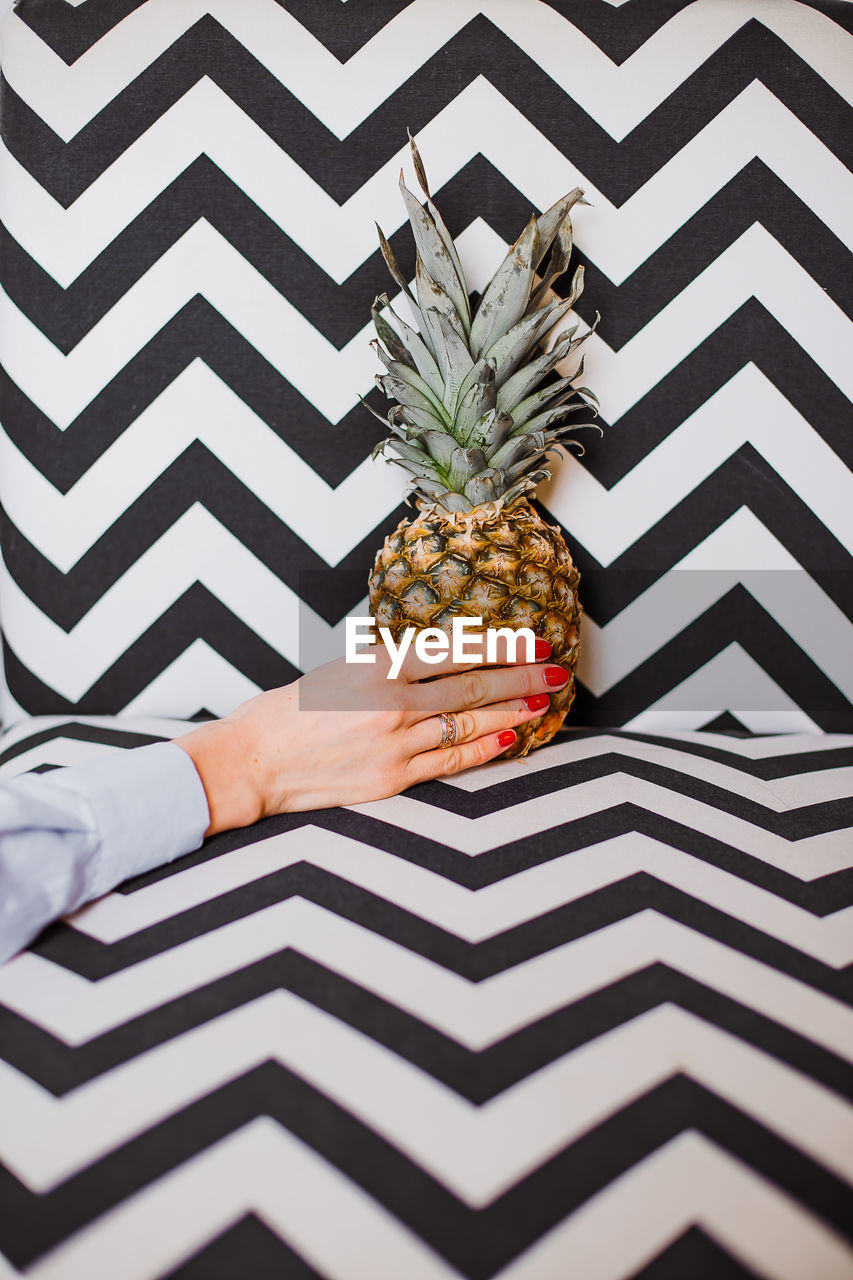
{"points": [[149, 807]]}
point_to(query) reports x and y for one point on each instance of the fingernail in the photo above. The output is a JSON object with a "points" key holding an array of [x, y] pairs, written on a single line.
{"points": [[555, 675], [542, 648], [538, 701], [507, 738]]}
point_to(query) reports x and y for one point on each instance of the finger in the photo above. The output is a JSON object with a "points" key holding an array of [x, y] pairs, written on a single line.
{"points": [[448, 760], [478, 688], [426, 734], [414, 668]]}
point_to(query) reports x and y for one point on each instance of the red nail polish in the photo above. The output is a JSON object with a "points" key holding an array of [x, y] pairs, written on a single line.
{"points": [[555, 675], [537, 701], [542, 648], [507, 738]]}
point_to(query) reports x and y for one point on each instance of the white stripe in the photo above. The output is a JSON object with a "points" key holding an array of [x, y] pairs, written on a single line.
{"points": [[740, 551], [63, 385], [746, 409], [262, 1169], [807, 858], [343, 95], [476, 1014], [688, 1183], [478, 1151], [728, 679], [196, 548], [205, 121], [199, 406], [478, 915], [794, 788], [196, 406]]}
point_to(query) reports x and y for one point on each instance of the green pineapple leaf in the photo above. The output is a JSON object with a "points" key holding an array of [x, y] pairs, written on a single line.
{"points": [[440, 446], [472, 421], [506, 296], [490, 430], [558, 263], [388, 336], [531, 374], [446, 238], [509, 350], [552, 219], [534, 404], [483, 487], [424, 360], [433, 252], [463, 464], [433, 302], [407, 386], [518, 449], [457, 357], [476, 397]]}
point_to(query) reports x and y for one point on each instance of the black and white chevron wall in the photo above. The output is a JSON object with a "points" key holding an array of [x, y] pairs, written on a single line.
{"points": [[188, 191], [584, 1016]]}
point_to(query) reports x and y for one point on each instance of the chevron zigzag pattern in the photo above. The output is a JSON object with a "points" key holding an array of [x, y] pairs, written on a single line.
{"points": [[594, 1005], [187, 253]]}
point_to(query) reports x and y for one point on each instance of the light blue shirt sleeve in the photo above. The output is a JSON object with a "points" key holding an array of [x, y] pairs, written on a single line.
{"points": [[73, 834]]}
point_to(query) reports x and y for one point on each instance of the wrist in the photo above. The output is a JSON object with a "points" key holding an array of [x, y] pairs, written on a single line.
{"points": [[229, 774]]}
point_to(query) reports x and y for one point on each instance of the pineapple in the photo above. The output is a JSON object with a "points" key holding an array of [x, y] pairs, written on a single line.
{"points": [[472, 423]]}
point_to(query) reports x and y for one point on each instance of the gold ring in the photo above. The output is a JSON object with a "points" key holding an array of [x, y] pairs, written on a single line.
{"points": [[448, 728]]}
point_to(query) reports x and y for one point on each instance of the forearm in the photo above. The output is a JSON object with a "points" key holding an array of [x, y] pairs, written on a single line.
{"points": [[74, 834], [231, 773]]}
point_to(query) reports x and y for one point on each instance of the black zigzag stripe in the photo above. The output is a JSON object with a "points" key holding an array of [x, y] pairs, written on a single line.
{"points": [[821, 896], [477, 1077], [781, 766], [197, 476], [735, 617], [197, 615], [95, 961], [616, 37], [696, 1255], [108, 737], [755, 194], [621, 33], [341, 168], [478, 1242], [788, 764], [794, 824], [332, 592], [71, 32], [791, 824], [198, 331], [745, 480], [749, 334], [226, 1256], [338, 31]]}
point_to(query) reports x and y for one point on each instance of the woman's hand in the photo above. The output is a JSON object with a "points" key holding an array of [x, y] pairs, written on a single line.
{"points": [[344, 734]]}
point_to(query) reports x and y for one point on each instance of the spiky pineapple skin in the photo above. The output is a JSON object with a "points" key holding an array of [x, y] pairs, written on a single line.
{"points": [[506, 566]]}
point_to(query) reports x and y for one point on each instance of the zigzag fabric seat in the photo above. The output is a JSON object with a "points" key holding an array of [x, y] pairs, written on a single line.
{"points": [[585, 1015]]}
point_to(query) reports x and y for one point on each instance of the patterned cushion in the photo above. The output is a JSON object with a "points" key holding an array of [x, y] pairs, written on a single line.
{"points": [[581, 1015], [187, 255]]}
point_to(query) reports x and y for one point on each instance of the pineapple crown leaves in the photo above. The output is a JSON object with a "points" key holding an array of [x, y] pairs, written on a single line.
{"points": [[472, 418]]}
